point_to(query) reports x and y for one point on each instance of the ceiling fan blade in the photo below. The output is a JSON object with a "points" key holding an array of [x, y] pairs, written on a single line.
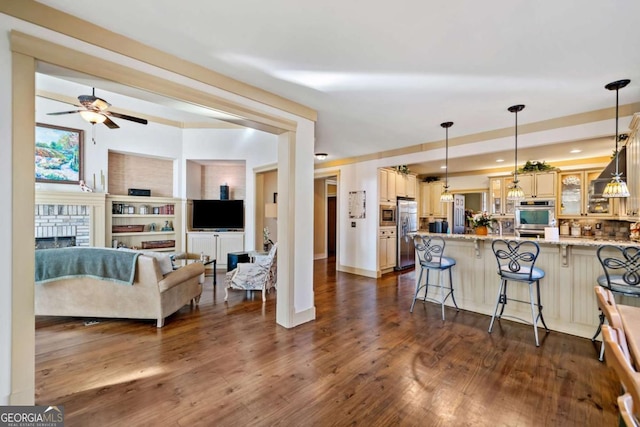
{"points": [[125, 117], [59, 113], [110, 124]]}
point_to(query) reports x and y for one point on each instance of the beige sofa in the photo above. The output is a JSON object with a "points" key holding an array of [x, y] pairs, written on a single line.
{"points": [[151, 296]]}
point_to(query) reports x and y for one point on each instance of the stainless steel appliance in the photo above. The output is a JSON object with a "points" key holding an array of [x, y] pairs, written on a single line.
{"points": [[532, 216], [407, 224], [388, 215]]}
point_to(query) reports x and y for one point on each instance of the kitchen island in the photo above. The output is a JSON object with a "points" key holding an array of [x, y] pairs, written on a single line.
{"points": [[571, 269]]}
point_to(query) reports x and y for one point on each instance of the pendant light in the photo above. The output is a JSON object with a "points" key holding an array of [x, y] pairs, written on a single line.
{"points": [[617, 187], [446, 197], [515, 192]]}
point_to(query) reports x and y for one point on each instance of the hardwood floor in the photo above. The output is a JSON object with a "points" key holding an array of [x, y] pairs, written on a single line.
{"points": [[365, 361]]}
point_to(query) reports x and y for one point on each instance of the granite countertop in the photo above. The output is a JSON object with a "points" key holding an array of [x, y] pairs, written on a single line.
{"points": [[563, 240]]}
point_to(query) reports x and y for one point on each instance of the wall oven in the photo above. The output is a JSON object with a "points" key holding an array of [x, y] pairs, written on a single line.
{"points": [[388, 215], [532, 216]]}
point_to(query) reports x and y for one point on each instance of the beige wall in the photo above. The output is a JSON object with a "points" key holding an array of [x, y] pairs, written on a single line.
{"points": [[130, 171], [230, 172], [319, 219]]}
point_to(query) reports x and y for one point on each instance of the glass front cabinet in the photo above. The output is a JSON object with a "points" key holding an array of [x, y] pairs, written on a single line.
{"points": [[498, 203], [581, 195]]}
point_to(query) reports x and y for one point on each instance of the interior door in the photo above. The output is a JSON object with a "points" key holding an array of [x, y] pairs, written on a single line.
{"points": [[459, 219]]}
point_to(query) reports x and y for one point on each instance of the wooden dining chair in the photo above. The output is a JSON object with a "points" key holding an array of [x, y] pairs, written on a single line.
{"points": [[618, 359], [608, 311]]}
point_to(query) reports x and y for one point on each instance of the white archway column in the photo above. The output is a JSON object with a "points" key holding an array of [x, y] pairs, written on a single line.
{"points": [[295, 299]]}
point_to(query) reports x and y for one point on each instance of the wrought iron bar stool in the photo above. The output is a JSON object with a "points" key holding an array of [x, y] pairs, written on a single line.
{"points": [[431, 257], [621, 276], [516, 263]]}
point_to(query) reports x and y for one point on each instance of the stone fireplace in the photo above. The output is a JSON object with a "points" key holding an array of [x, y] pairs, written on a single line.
{"points": [[69, 219], [60, 225]]}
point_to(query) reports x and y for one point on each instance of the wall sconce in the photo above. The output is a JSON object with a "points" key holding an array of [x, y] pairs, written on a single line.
{"points": [[271, 210]]}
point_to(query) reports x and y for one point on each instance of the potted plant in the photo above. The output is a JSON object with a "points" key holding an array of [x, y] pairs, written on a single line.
{"points": [[481, 222]]}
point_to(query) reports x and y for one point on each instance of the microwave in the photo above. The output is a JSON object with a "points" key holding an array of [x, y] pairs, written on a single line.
{"points": [[387, 215]]}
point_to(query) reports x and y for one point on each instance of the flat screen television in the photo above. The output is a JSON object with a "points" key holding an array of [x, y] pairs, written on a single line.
{"points": [[218, 215]]}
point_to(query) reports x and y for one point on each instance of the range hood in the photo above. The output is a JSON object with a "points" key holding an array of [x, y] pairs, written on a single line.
{"points": [[610, 170]]}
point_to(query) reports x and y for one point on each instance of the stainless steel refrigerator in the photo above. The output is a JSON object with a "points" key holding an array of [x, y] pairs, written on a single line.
{"points": [[407, 222]]}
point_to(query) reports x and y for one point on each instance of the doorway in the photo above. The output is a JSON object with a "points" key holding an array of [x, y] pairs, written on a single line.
{"points": [[331, 225]]}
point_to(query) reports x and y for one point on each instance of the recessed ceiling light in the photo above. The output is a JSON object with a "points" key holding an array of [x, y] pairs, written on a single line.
{"points": [[574, 151], [499, 160], [443, 167]]}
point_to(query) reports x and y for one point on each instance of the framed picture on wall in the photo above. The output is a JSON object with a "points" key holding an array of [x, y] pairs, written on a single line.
{"points": [[58, 154]]}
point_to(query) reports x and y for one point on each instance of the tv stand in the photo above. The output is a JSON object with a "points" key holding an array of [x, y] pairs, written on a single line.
{"points": [[216, 244]]}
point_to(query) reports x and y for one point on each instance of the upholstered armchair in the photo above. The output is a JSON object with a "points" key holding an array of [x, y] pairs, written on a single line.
{"points": [[259, 275]]}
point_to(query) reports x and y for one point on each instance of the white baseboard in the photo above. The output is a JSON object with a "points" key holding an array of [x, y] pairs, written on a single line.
{"points": [[359, 271]]}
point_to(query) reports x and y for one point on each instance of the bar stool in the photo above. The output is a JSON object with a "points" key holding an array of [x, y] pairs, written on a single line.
{"points": [[621, 276], [430, 257], [516, 260]]}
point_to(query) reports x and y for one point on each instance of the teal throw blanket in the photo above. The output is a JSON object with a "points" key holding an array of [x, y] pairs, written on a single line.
{"points": [[99, 263]]}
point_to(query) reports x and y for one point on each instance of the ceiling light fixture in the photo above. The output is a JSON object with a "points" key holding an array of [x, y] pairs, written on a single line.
{"points": [[575, 151], [446, 196], [321, 156], [93, 117], [499, 160], [617, 187], [515, 192]]}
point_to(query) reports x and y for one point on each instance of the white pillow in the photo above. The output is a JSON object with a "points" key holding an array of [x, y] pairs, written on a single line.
{"points": [[164, 261]]}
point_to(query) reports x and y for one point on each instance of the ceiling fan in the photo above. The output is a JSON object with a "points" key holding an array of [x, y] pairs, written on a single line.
{"points": [[96, 111]]}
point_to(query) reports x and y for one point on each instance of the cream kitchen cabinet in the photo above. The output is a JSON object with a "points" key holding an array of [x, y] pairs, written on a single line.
{"points": [[405, 185], [430, 205], [412, 182], [387, 247], [438, 209], [387, 185], [580, 195], [540, 185], [498, 203], [425, 199]]}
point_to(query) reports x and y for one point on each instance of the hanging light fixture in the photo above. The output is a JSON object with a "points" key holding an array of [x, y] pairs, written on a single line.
{"points": [[515, 192], [93, 117], [446, 196], [617, 187]]}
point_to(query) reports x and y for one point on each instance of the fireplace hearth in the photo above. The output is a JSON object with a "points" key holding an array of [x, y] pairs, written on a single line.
{"points": [[55, 242]]}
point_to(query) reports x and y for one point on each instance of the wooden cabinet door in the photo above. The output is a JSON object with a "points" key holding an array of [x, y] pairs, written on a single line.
{"points": [[391, 186], [382, 252], [425, 199], [571, 195], [401, 185], [527, 183], [495, 196], [383, 182], [391, 251], [438, 209], [411, 186], [229, 242], [545, 185]]}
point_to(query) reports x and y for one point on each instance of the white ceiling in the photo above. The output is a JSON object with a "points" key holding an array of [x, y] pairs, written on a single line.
{"points": [[384, 75]]}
